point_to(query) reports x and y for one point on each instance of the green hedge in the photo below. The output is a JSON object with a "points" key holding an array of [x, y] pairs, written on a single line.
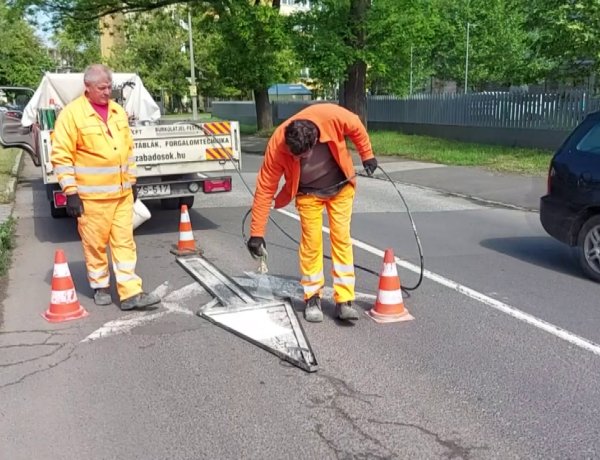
{"points": [[7, 242]]}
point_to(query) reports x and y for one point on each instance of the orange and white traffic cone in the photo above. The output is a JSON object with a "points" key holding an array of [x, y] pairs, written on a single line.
{"points": [[64, 305], [389, 306], [186, 245]]}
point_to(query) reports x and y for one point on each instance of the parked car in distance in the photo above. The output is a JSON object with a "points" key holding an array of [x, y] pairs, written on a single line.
{"points": [[570, 211]]}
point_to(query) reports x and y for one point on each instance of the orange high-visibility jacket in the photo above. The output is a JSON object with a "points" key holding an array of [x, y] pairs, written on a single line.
{"points": [[334, 123], [86, 158]]}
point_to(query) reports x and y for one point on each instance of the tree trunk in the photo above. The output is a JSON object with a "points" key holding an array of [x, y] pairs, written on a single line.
{"points": [[354, 88], [264, 113], [354, 94]]}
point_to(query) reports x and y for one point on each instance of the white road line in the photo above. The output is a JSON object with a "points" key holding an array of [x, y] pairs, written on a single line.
{"points": [[123, 325], [496, 304], [127, 323]]}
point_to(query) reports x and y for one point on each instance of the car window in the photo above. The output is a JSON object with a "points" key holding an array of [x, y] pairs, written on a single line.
{"points": [[590, 143], [15, 98]]}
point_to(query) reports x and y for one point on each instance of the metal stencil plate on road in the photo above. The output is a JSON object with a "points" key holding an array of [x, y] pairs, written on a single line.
{"points": [[271, 325]]}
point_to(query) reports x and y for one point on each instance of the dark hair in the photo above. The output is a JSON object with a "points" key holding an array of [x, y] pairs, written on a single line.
{"points": [[301, 136]]}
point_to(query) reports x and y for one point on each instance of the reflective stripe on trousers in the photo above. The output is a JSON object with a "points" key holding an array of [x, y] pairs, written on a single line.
{"points": [[109, 223], [339, 209]]}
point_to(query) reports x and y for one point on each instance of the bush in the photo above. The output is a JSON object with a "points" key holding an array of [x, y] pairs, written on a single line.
{"points": [[7, 242]]}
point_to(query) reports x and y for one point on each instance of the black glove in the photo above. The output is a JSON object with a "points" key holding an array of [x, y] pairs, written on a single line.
{"points": [[134, 189], [370, 166], [256, 244], [74, 205]]}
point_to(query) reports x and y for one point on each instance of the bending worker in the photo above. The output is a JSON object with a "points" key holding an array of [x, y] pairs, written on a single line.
{"points": [[92, 154], [310, 151]]}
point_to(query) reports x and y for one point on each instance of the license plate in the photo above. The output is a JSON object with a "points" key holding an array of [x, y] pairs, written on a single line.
{"points": [[154, 190]]}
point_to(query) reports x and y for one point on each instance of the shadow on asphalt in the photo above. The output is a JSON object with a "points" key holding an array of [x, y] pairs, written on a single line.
{"points": [[167, 221], [540, 251], [78, 275], [62, 230]]}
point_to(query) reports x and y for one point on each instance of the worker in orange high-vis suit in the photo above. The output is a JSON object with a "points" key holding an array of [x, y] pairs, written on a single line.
{"points": [[92, 155], [309, 151]]}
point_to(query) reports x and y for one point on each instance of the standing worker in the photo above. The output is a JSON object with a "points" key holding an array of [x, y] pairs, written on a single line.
{"points": [[92, 154], [310, 151]]}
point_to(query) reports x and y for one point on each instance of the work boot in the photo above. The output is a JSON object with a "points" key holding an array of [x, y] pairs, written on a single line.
{"points": [[140, 300], [313, 312], [102, 296], [345, 311]]}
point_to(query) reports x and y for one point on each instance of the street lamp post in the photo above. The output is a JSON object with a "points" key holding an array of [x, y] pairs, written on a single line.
{"points": [[192, 70], [411, 70], [467, 58]]}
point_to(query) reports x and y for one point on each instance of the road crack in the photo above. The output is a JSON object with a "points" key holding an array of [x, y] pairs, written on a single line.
{"points": [[47, 341], [329, 426], [453, 448]]}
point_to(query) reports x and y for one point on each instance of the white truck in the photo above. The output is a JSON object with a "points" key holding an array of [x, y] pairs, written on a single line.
{"points": [[175, 161]]}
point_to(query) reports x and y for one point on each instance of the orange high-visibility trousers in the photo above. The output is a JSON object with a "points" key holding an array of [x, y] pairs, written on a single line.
{"points": [[339, 210], [109, 223]]}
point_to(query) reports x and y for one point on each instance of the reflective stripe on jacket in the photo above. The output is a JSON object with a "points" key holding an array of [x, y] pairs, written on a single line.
{"points": [[334, 123], [88, 160]]}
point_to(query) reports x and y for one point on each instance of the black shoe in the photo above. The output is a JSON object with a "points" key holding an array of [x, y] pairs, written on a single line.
{"points": [[313, 312], [102, 296], [346, 311], [140, 300]]}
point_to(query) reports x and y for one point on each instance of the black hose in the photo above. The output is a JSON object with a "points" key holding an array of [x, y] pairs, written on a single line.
{"points": [[359, 267]]}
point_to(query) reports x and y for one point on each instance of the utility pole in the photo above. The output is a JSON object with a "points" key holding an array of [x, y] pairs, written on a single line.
{"points": [[193, 90]]}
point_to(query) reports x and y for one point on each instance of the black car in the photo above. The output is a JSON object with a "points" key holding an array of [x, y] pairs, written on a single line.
{"points": [[570, 212]]}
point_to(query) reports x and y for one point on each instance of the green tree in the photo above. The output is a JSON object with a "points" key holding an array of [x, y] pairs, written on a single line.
{"points": [[77, 46], [498, 41], [153, 49], [23, 58], [565, 35], [331, 40], [253, 53]]}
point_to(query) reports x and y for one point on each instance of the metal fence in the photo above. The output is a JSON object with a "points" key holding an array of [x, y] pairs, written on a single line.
{"points": [[554, 111], [537, 120]]}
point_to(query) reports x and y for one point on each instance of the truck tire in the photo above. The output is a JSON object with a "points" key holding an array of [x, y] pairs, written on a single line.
{"points": [[187, 200], [169, 203], [57, 213], [588, 248]]}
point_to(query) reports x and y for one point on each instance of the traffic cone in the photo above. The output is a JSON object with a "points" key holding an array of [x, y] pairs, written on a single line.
{"points": [[389, 306], [186, 245], [64, 305]]}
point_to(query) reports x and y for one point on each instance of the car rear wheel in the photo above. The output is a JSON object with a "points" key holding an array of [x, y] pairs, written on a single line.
{"points": [[588, 247]]}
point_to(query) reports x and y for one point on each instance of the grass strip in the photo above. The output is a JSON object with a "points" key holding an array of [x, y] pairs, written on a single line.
{"points": [[430, 149], [7, 161]]}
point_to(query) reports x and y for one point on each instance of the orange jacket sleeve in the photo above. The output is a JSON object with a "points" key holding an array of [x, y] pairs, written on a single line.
{"points": [[267, 182]]}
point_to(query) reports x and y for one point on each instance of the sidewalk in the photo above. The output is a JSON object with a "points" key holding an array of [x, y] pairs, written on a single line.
{"points": [[512, 190]]}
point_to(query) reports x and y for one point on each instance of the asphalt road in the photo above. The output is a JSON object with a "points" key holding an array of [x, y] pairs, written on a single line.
{"points": [[501, 360]]}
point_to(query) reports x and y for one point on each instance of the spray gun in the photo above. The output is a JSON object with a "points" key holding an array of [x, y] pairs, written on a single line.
{"points": [[261, 254], [262, 266]]}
